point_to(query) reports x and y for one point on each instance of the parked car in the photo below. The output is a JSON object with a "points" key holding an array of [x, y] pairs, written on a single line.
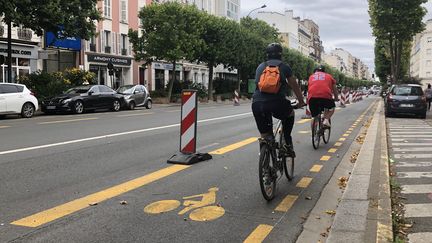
{"points": [[135, 95], [405, 99], [84, 98], [17, 99]]}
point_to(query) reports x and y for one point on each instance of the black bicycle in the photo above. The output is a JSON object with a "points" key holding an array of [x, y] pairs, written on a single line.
{"points": [[273, 163], [319, 130]]}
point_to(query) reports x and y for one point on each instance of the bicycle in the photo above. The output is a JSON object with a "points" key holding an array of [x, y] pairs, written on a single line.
{"points": [[272, 162], [318, 130]]}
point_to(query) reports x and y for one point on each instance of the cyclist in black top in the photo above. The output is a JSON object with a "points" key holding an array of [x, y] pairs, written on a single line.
{"points": [[265, 105]]}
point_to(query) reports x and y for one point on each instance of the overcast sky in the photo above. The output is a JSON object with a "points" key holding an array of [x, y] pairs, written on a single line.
{"points": [[343, 23]]}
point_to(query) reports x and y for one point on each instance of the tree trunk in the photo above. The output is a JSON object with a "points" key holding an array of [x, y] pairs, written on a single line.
{"points": [[392, 59], [9, 43], [172, 81], [210, 82], [398, 58]]}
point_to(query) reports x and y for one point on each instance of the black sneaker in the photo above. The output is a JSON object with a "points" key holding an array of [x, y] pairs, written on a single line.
{"points": [[287, 151]]}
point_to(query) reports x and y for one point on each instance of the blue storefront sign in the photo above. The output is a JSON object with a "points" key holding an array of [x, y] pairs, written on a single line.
{"points": [[71, 43]]}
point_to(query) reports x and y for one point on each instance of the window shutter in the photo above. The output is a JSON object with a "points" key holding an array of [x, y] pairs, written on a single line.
{"points": [[113, 45], [101, 41], [119, 48]]}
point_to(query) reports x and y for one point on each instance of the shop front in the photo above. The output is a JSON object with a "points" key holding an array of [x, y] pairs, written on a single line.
{"points": [[98, 64], [24, 60], [162, 73]]}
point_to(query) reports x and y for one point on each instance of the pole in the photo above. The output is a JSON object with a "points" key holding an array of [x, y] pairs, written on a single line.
{"points": [[9, 62]]}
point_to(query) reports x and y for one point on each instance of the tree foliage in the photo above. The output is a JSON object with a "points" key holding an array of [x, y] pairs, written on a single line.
{"points": [[395, 22]]}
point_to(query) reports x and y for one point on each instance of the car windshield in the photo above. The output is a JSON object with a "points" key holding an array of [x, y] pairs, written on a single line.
{"points": [[128, 89], [78, 90], [407, 91]]}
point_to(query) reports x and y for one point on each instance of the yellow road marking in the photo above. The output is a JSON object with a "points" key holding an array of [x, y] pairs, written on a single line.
{"points": [[72, 120], [304, 121], [60, 211], [304, 132], [234, 146], [4, 126], [325, 158], [139, 114], [332, 150], [286, 204], [259, 234], [348, 132], [338, 108], [316, 168], [304, 182], [345, 135], [338, 144], [342, 139]]}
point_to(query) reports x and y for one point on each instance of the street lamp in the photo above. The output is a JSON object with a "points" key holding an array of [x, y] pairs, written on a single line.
{"points": [[263, 6]]}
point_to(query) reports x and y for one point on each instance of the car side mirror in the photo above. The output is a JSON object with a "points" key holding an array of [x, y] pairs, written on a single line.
{"points": [[90, 92]]}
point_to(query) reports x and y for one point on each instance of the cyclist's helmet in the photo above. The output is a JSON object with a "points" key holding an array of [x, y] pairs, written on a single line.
{"points": [[320, 68], [274, 50]]}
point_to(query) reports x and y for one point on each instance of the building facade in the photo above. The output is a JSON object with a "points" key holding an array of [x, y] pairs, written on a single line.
{"points": [[351, 66], [316, 47], [26, 47], [421, 55]]}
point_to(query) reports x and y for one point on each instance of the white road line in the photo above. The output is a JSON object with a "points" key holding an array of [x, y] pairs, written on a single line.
{"points": [[412, 139], [422, 237], [410, 136], [114, 135], [412, 156], [65, 121], [414, 175], [410, 189], [411, 144], [138, 114], [422, 149], [421, 210], [413, 164]]}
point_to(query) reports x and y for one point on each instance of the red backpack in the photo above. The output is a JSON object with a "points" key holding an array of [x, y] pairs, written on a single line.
{"points": [[270, 80]]}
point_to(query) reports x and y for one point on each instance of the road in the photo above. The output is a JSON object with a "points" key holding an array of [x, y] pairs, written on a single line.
{"points": [[88, 178]]}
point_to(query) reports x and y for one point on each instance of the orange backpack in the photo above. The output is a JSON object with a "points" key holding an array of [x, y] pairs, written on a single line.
{"points": [[270, 80]]}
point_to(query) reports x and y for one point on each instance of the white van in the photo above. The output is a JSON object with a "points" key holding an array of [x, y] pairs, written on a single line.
{"points": [[17, 99]]}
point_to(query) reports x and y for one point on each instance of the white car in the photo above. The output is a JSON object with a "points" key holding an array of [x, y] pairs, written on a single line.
{"points": [[17, 99]]}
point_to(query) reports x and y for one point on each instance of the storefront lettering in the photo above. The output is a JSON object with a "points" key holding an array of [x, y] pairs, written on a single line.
{"points": [[105, 59], [17, 52]]}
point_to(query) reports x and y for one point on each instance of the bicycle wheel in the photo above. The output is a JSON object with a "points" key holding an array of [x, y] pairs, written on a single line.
{"points": [[265, 170], [315, 132], [326, 134], [287, 162]]}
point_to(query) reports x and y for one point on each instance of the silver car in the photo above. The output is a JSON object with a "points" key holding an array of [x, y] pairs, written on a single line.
{"points": [[135, 95]]}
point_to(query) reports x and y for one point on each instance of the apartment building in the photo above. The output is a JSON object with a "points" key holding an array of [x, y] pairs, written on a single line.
{"points": [[421, 55], [316, 47], [343, 61]]}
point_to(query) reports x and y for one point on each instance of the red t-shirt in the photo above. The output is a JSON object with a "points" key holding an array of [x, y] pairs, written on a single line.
{"points": [[321, 86]]}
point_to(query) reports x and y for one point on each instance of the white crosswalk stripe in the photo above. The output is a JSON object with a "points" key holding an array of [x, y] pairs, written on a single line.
{"points": [[411, 189], [414, 174]]}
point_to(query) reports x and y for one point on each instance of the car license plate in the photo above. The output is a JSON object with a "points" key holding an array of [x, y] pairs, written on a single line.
{"points": [[51, 107], [406, 105]]}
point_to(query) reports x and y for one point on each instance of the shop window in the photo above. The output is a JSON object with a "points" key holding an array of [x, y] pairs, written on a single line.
{"points": [[23, 62]]}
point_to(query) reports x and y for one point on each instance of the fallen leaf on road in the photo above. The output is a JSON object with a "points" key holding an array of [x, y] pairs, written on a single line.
{"points": [[123, 202], [354, 157], [323, 234], [318, 217], [93, 204], [331, 212], [342, 182], [392, 161], [308, 198], [328, 229]]}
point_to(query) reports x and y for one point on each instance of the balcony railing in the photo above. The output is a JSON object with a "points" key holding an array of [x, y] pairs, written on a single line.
{"points": [[24, 34]]}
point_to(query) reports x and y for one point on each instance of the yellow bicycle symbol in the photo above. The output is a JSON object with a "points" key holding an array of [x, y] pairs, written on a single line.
{"points": [[200, 210]]}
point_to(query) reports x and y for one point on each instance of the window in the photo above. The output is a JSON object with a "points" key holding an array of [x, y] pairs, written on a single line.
{"points": [[123, 11], [107, 37], [8, 88], [107, 8], [94, 89], [105, 89], [123, 41]]}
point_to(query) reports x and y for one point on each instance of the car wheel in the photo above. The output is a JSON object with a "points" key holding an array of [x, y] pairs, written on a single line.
{"points": [[27, 110], [131, 105], [78, 107], [116, 105], [148, 104]]}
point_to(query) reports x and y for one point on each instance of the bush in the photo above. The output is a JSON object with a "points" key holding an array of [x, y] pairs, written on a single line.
{"points": [[77, 77], [222, 86], [158, 94], [45, 85]]}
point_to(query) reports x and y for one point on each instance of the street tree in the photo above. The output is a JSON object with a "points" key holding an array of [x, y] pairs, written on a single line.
{"points": [[73, 18], [396, 22], [170, 32]]}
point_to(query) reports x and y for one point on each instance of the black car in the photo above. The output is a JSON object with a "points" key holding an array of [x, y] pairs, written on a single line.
{"points": [[405, 99], [84, 98], [135, 95]]}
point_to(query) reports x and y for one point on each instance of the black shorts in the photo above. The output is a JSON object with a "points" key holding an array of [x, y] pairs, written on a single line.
{"points": [[263, 112], [316, 105]]}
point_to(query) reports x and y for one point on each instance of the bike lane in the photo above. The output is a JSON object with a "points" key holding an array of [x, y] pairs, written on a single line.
{"points": [[234, 173]]}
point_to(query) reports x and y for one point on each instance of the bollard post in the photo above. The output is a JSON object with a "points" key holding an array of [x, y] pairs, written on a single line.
{"points": [[236, 98]]}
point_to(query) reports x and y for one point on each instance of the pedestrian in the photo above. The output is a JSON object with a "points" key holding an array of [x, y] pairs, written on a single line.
{"points": [[428, 94]]}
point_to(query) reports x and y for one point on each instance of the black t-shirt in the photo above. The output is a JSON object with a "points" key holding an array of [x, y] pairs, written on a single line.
{"points": [[285, 72]]}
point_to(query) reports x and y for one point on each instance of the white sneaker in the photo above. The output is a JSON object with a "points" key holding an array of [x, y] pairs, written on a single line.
{"points": [[326, 123]]}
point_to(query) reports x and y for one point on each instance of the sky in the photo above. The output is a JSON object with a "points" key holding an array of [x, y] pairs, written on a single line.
{"points": [[343, 23]]}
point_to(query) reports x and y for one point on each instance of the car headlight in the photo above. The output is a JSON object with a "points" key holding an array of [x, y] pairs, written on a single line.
{"points": [[66, 101]]}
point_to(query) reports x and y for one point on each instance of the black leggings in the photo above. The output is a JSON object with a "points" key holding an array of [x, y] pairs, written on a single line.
{"points": [[429, 102], [281, 109]]}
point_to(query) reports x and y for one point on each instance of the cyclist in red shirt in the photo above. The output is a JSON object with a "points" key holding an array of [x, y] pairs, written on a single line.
{"points": [[322, 94]]}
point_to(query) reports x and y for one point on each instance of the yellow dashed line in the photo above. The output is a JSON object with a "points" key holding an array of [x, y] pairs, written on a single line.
{"points": [[232, 147], [259, 234], [304, 132], [304, 182], [316, 168], [346, 135], [342, 139], [304, 121], [4, 126], [338, 144], [325, 158], [332, 150], [287, 203]]}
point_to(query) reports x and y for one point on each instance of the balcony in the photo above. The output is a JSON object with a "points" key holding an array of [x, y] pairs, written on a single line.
{"points": [[24, 34], [124, 52], [92, 47], [108, 49]]}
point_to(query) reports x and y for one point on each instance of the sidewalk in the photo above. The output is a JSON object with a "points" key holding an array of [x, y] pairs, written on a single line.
{"points": [[363, 210]]}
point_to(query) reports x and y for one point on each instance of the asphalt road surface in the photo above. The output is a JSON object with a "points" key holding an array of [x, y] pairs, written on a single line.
{"points": [[103, 177]]}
